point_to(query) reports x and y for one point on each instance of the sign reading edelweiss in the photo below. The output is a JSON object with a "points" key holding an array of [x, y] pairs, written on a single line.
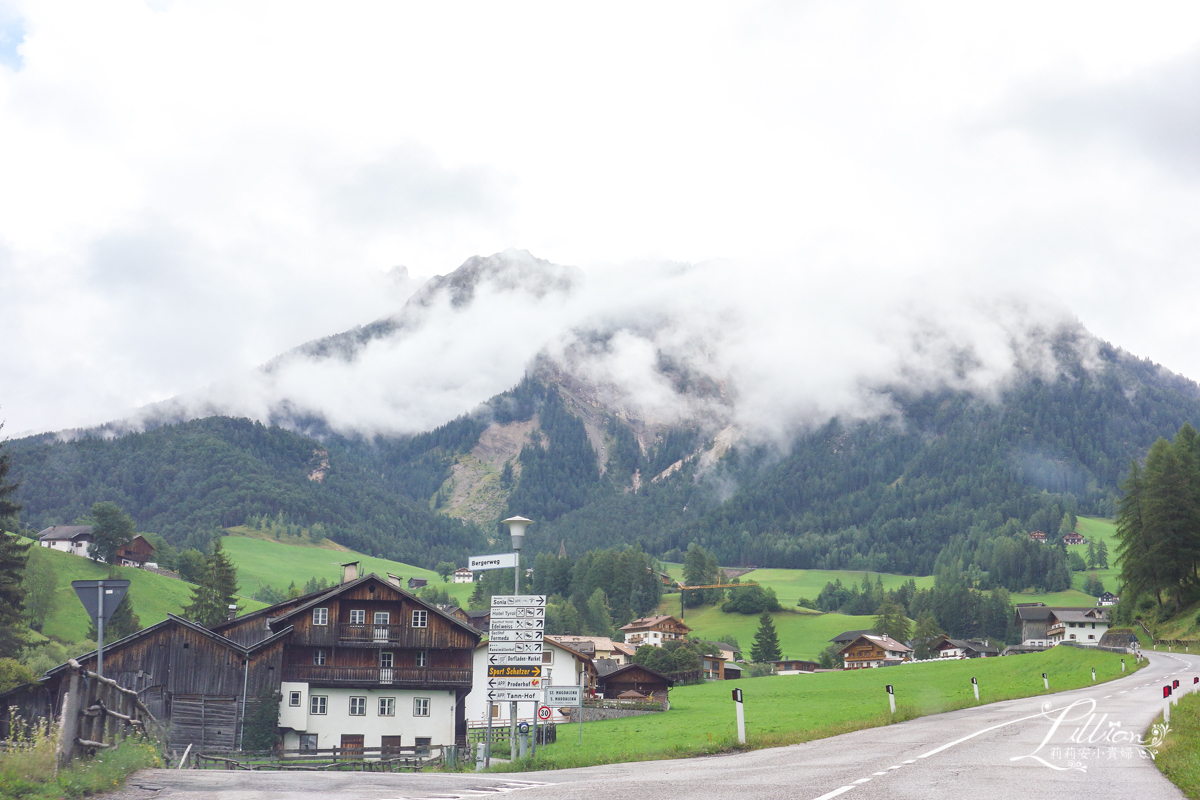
{"points": [[515, 647]]}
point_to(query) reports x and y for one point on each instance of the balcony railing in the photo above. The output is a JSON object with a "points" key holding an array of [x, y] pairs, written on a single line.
{"points": [[366, 635], [381, 676]]}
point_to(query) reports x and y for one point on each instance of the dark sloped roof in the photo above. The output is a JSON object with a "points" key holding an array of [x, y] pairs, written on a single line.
{"points": [[850, 636], [58, 533], [628, 667]]}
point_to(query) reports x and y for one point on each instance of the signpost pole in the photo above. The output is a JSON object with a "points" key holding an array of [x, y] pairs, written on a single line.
{"points": [[100, 630]]}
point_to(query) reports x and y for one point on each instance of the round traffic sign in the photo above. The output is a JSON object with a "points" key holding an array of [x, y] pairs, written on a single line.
{"points": [[543, 712]]}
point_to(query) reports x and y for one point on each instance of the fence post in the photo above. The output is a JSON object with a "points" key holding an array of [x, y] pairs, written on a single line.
{"points": [[68, 729]]}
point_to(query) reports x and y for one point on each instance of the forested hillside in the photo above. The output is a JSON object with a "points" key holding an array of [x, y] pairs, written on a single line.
{"points": [[948, 482]]}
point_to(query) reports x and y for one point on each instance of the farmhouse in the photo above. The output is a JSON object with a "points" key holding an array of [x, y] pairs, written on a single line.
{"points": [[634, 682], [74, 539], [364, 664], [595, 647], [963, 648], [654, 631], [869, 650], [1083, 626], [464, 575], [1037, 536], [1107, 599], [1073, 538], [135, 553], [794, 666]]}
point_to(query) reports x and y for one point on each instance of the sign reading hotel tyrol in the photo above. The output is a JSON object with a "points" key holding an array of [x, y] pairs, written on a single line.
{"points": [[518, 621]]}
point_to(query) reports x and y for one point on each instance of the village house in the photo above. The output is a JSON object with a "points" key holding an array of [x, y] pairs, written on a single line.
{"points": [[1037, 536], [73, 539], [597, 647], [1033, 618], [464, 575], [363, 664], [869, 650], [137, 552], [1107, 599], [654, 631], [561, 666], [1073, 538], [794, 666], [1081, 626], [634, 682], [963, 648]]}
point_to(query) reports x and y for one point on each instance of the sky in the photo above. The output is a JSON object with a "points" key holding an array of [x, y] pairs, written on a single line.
{"points": [[801, 192]]}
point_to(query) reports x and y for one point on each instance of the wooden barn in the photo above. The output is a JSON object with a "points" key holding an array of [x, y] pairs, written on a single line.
{"points": [[135, 553], [634, 678]]}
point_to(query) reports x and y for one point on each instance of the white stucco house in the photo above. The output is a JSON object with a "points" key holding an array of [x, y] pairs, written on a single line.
{"points": [[561, 666]]}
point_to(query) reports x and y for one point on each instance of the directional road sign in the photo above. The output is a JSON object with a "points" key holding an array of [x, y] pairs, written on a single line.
{"points": [[564, 695], [518, 612], [500, 561], [500, 600], [514, 636], [515, 658], [503, 648], [511, 671], [538, 624], [515, 695], [514, 683]]}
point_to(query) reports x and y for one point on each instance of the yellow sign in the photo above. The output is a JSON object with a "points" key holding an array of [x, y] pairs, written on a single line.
{"points": [[514, 671]]}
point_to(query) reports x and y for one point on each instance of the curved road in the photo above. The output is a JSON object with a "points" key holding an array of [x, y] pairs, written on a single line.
{"points": [[1081, 743]]}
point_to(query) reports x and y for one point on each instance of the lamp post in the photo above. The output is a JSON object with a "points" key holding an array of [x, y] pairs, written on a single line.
{"points": [[516, 529]]}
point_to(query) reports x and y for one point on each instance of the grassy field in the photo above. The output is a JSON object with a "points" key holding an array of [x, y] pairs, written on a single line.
{"points": [[801, 635], [153, 596], [262, 559], [795, 708], [1179, 756]]}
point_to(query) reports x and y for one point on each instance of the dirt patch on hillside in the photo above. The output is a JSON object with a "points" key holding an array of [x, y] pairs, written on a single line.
{"points": [[475, 490]]}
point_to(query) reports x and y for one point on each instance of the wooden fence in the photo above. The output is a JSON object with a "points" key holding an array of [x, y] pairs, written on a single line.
{"points": [[97, 714], [408, 758], [547, 733]]}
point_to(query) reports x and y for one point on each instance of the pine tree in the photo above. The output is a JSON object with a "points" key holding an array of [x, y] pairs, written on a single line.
{"points": [[927, 630], [1102, 555], [890, 620], [1135, 548], [12, 567], [216, 590], [766, 641], [1091, 555]]}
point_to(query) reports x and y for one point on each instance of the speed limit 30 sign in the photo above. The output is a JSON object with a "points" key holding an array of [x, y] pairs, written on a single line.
{"points": [[543, 712]]}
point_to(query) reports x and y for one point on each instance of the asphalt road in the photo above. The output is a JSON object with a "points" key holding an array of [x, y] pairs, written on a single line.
{"points": [[1082, 743]]}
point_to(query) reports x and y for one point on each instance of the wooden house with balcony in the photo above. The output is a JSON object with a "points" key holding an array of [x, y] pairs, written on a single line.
{"points": [[364, 664]]}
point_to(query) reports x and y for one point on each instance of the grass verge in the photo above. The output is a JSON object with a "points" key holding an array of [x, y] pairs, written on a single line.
{"points": [[27, 769], [788, 709], [1179, 755]]}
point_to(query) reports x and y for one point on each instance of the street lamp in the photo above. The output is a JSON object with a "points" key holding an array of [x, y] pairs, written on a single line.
{"points": [[516, 529]]}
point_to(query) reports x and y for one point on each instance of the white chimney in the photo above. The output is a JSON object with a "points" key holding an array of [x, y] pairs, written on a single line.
{"points": [[394, 580], [349, 571]]}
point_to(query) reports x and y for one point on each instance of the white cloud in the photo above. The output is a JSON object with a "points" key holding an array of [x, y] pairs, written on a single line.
{"points": [[190, 188]]}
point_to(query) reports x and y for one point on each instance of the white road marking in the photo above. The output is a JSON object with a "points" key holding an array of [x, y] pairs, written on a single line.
{"points": [[834, 793], [892, 768], [880, 773], [862, 780], [911, 761]]}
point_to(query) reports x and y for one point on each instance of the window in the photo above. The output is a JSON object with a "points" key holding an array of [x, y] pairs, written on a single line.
{"points": [[358, 617], [495, 711], [387, 706], [422, 743], [320, 616], [319, 658], [386, 659], [318, 704], [382, 617], [547, 657], [420, 619], [308, 741], [358, 706], [294, 699], [422, 658], [420, 706]]}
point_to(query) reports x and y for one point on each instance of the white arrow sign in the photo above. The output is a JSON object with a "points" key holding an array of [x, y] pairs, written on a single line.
{"points": [[500, 561], [514, 647], [513, 636], [500, 600], [518, 695], [518, 612], [514, 659], [518, 624], [514, 683]]}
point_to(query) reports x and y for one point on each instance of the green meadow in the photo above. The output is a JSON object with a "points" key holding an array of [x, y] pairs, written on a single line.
{"points": [[786, 709], [1179, 756], [153, 596], [262, 559], [1094, 529]]}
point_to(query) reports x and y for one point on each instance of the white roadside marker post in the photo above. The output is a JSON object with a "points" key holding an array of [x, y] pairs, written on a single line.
{"points": [[1167, 703], [1046, 681], [1122, 665], [741, 715], [975, 686], [1093, 674], [891, 697]]}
